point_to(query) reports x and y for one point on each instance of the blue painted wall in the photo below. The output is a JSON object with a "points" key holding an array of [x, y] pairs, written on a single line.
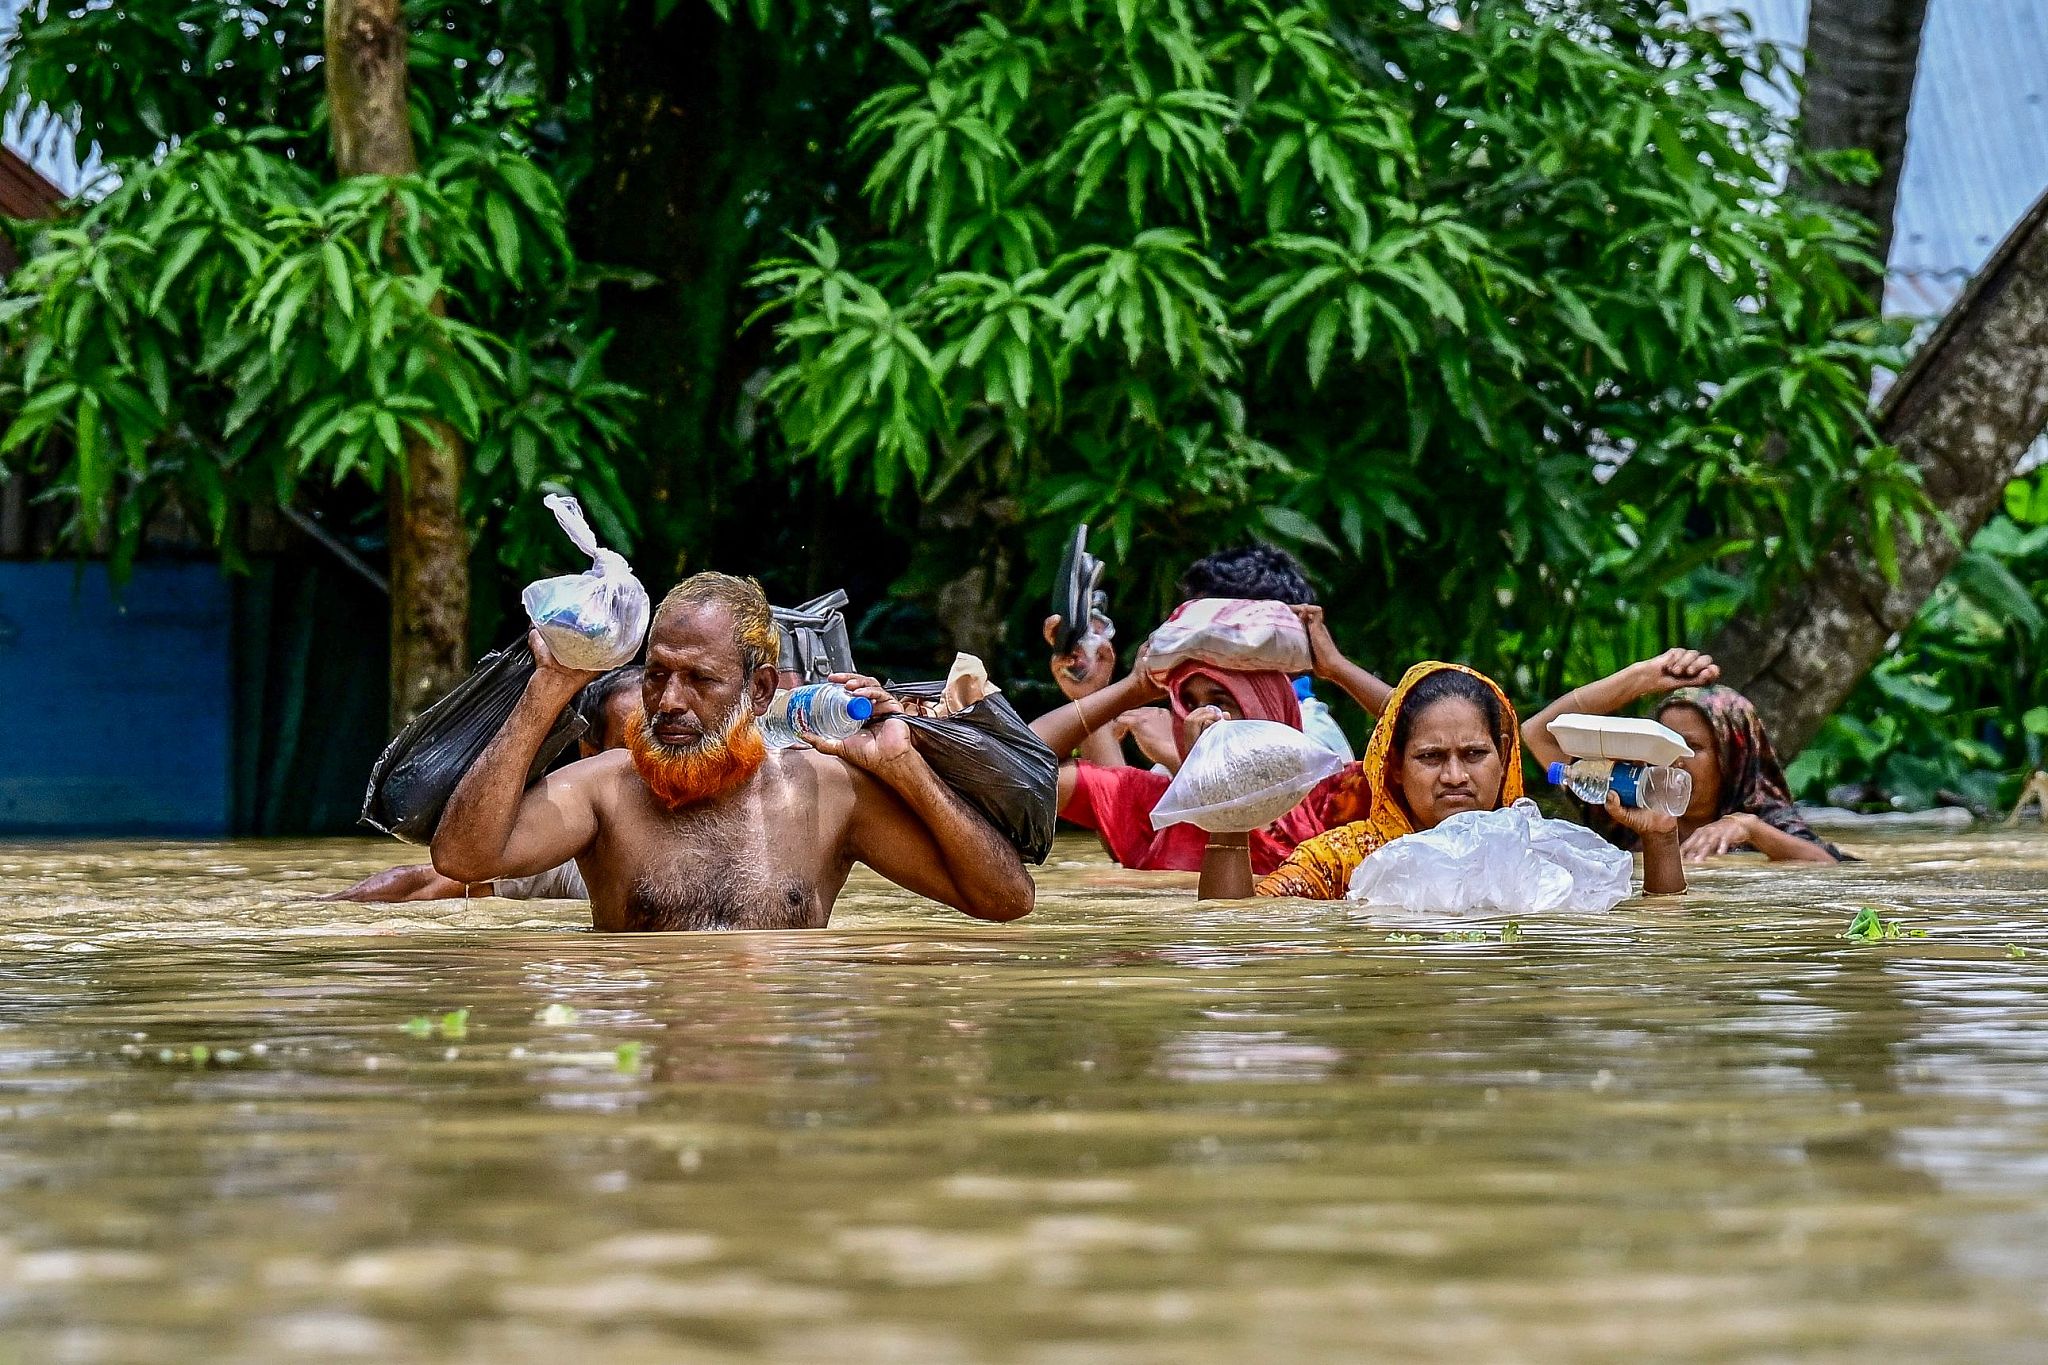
{"points": [[119, 708]]}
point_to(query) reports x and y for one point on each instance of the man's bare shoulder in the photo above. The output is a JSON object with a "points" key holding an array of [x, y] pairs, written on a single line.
{"points": [[809, 769], [597, 776]]}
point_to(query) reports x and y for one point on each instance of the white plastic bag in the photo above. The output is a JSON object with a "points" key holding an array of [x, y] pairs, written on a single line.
{"points": [[1243, 775], [1226, 632], [593, 620], [1509, 861]]}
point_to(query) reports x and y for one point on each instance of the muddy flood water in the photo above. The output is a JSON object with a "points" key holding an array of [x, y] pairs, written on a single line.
{"points": [[239, 1126]]}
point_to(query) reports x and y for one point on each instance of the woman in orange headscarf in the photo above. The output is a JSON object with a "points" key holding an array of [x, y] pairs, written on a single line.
{"points": [[1447, 743]]}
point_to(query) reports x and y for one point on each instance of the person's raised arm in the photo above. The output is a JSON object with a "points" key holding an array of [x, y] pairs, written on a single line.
{"points": [[1082, 674], [493, 826], [1095, 712], [1673, 669], [917, 831], [1331, 666]]}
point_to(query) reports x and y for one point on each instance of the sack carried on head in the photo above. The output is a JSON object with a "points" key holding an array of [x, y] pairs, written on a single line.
{"points": [[1243, 775], [596, 619], [1225, 632]]}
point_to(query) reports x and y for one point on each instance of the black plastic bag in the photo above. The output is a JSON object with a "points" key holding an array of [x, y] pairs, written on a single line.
{"points": [[419, 770], [991, 757]]}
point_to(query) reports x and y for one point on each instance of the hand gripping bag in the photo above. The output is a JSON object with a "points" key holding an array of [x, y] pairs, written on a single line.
{"points": [[1480, 863], [1228, 633], [1243, 775], [990, 756], [418, 771], [595, 619]]}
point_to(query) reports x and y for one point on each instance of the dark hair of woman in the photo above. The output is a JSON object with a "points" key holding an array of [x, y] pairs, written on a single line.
{"points": [[1438, 686]]}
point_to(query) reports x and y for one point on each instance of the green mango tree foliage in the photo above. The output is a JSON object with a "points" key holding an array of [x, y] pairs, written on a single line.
{"points": [[229, 326], [1494, 312]]}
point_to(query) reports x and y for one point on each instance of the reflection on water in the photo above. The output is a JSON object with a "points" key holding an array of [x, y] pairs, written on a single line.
{"points": [[1127, 1129]]}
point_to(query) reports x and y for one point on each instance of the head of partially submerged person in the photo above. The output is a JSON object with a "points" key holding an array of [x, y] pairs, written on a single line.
{"points": [[710, 671], [608, 707], [1451, 744], [1448, 742], [1239, 694], [1256, 572], [1734, 768]]}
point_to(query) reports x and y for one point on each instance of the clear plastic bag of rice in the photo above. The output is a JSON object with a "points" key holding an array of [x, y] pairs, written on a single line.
{"points": [[1243, 775], [595, 619]]}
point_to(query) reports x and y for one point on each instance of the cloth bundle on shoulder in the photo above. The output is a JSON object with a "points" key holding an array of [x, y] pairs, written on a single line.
{"points": [[596, 619], [419, 770], [980, 747], [1243, 775], [1227, 633], [1511, 861]]}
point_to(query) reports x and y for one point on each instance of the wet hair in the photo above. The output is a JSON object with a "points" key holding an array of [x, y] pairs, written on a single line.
{"points": [[1442, 685], [1256, 572], [597, 694], [754, 631]]}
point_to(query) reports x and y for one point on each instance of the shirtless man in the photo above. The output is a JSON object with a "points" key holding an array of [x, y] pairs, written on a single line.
{"points": [[696, 825]]}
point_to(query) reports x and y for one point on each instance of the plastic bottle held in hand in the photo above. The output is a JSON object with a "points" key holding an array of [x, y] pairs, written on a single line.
{"points": [[1641, 786], [825, 710]]}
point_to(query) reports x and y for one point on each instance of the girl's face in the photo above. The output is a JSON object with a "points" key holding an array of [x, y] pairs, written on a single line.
{"points": [[1452, 764], [1199, 691], [1705, 764]]}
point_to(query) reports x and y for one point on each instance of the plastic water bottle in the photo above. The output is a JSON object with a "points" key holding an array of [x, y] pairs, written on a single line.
{"points": [[1317, 722], [1641, 786], [823, 709]]}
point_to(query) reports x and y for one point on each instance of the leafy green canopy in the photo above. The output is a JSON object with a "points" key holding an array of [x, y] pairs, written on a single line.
{"points": [[1497, 313], [230, 323]]}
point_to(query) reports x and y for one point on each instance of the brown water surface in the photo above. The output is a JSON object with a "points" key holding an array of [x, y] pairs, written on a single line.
{"points": [[1126, 1129]]}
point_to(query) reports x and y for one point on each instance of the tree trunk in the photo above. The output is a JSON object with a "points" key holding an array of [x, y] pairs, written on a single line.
{"points": [[372, 129], [1965, 411], [1861, 56]]}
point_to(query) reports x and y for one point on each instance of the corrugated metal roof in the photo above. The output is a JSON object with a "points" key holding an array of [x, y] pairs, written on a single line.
{"points": [[1977, 142], [41, 140]]}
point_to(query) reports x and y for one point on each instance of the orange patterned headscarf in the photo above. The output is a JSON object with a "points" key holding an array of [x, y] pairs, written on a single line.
{"points": [[1321, 868]]}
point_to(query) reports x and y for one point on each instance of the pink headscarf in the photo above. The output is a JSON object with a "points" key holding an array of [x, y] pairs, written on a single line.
{"points": [[1264, 695]]}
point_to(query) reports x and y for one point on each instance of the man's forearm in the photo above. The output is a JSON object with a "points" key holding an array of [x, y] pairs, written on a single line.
{"points": [[479, 817], [985, 869]]}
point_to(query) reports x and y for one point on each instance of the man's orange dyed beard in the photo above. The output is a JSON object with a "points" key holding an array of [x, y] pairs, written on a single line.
{"points": [[718, 764]]}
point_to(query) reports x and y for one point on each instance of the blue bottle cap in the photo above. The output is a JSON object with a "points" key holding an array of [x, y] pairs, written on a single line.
{"points": [[1556, 774], [1303, 687], [860, 708]]}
